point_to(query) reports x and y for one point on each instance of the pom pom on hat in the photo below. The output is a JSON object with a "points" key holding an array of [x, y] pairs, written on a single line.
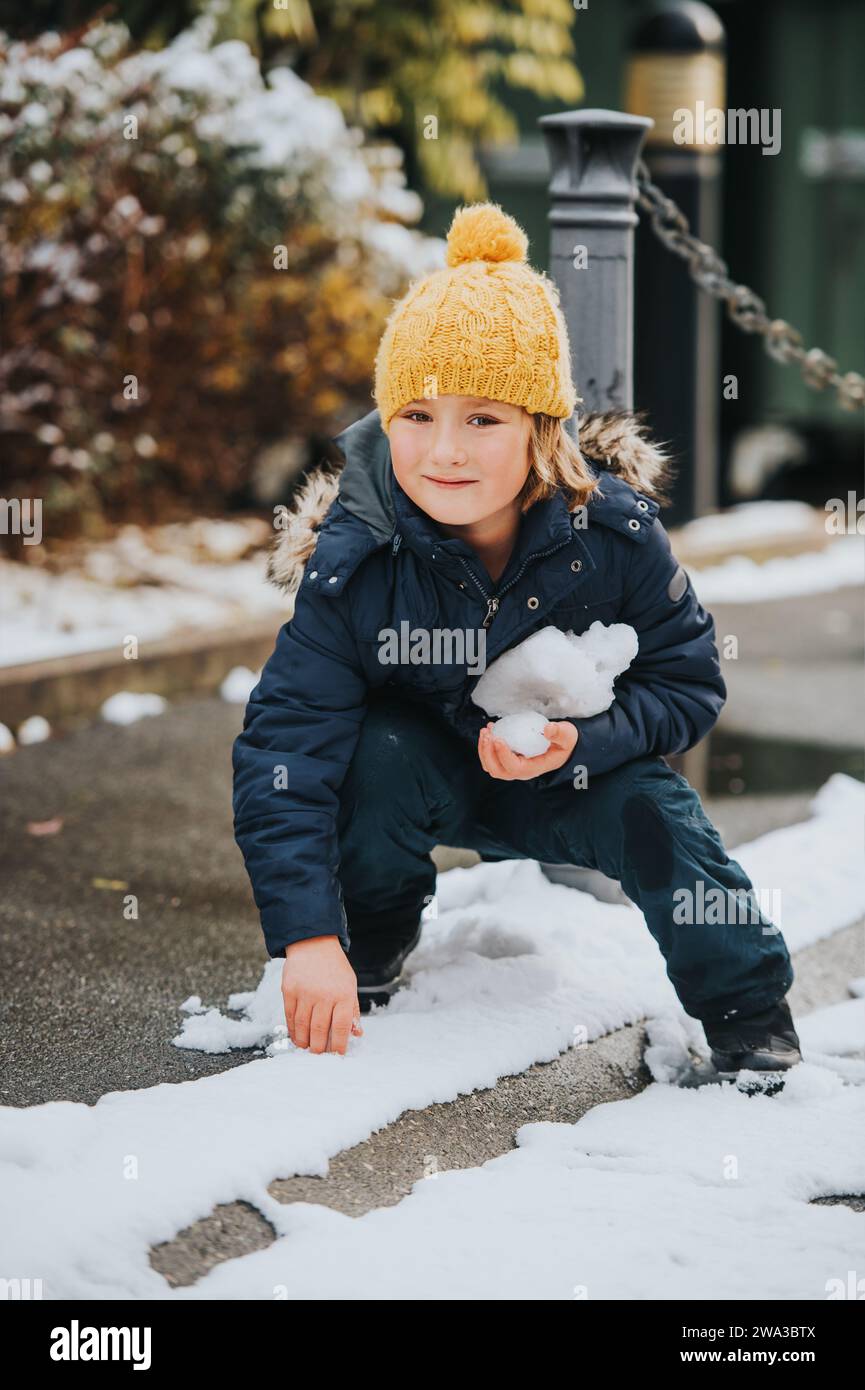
{"points": [[484, 232]]}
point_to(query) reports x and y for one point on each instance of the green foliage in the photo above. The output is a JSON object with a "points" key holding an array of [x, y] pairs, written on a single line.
{"points": [[432, 75]]}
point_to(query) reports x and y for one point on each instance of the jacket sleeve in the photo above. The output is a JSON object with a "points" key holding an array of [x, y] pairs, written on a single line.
{"points": [[299, 735], [673, 692]]}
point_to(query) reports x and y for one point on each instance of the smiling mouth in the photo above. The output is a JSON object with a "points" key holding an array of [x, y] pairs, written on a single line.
{"points": [[450, 482]]}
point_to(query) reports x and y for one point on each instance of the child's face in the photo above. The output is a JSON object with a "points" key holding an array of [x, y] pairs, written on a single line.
{"points": [[481, 444]]}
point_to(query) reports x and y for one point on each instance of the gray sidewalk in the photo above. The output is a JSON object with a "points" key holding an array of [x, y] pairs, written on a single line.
{"points": [[799, 672]]}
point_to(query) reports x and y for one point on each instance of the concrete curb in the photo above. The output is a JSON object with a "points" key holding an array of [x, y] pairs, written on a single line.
{"points": [[702, 556], [69, 690]]}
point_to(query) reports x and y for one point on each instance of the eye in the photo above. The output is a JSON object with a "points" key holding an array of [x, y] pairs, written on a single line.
{"points": [[488, 418], [409, 413]]}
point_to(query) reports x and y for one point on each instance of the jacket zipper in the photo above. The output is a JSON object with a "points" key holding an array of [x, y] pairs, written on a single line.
{"points": [[493, 602]]}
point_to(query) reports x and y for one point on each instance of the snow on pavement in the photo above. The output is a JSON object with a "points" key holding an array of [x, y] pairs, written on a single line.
{"points": [[673, 1194], [743, 580], [128, 706], [748, 522], [670, 1194], [44, 615]]}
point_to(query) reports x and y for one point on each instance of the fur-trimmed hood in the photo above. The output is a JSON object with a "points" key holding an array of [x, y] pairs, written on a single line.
{"points": [[613, 442]]}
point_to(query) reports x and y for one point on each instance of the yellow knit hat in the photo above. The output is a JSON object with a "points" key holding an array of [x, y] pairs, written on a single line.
{"points": [[485, 325]]}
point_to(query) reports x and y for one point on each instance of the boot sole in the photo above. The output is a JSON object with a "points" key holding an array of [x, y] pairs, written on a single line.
{"points": [[730, 1065], [766, 1083]]}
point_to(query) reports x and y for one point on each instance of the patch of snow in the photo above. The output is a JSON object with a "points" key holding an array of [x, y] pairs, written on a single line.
{"points": [[34, 730], [742, 580], [838, 1029], [44, 615], [750, 521], [128, 706], [239, 684]]}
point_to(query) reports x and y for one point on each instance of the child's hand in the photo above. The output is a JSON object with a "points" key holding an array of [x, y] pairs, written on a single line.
{"points": [[501, 761], [319, 991]]}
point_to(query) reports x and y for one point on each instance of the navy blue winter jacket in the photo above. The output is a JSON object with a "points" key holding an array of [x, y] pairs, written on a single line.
{"points": [[360, 556]]}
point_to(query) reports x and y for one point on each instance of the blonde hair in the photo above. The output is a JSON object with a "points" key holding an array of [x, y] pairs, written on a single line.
{"points": [[555, 462]]}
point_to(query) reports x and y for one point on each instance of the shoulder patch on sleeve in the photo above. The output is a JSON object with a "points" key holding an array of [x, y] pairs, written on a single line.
{"points": [[677, 585]]}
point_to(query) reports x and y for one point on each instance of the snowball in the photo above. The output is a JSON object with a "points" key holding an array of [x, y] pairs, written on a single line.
{"points": [[523, 732], [128, 705], [239, 685], [34, 730], [557, 674], [7, 739]]}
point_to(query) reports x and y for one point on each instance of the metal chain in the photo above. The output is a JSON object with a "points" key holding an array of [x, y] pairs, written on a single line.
{"points": [[744, 307]]}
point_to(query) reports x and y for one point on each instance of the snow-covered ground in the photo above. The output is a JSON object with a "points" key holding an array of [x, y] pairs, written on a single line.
{"points": [[672, 1194], [743, 580], [144, 585], [748, 522]]}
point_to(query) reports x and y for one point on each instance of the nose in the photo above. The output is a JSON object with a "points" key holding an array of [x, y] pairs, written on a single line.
{"points": [[446, 450]]}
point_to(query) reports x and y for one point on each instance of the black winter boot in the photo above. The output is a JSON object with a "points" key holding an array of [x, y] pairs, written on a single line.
{"points": [[766, 1041], [377, 961]]}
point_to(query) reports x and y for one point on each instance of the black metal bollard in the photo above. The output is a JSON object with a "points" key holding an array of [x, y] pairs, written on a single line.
{"points": [[593, 156]]}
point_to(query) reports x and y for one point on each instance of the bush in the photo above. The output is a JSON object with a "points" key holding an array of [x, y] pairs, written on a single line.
{"points": [[154, 340]]}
